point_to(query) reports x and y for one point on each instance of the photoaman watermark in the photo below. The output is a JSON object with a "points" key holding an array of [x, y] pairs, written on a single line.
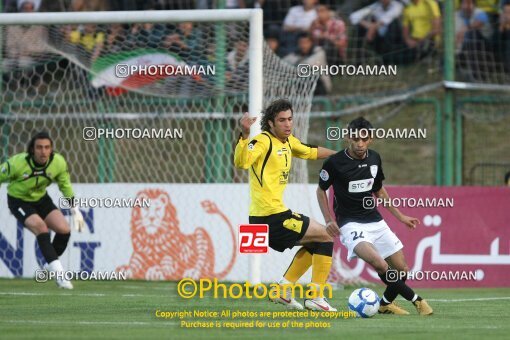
{"points": [[189, 288]]}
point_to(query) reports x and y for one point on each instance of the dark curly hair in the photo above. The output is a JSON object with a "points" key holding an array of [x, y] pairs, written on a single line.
{"points": [[39, 135], [269, 114]]}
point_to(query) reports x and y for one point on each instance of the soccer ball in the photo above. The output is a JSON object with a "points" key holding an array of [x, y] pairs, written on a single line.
{"points": [[364, 302]]}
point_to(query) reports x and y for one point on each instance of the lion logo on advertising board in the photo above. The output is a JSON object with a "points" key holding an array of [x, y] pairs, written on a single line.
{"points": [[162, 252]]}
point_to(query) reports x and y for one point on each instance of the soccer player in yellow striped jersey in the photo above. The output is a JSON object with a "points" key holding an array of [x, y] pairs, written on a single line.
{"points": [[268, 158]]}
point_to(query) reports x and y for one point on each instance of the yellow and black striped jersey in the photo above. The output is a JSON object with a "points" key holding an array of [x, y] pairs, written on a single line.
{"points": [[269, 161]]}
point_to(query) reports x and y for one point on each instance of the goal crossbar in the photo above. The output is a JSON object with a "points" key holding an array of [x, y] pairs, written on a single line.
{"points": [[253, 16]]}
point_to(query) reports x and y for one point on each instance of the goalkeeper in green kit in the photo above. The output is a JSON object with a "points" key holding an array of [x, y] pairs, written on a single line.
{"points": [[29, 174]]}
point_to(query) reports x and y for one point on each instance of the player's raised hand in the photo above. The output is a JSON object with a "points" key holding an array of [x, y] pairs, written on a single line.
{"points": [[246, 122], [332, 229], [410, 222]]}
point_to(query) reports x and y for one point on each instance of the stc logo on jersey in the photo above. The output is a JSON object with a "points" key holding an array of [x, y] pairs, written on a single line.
{"points": [[362, 185], [253, 238]]}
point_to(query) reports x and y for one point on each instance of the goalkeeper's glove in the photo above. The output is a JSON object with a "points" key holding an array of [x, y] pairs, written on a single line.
{"points": [[77, 221]]}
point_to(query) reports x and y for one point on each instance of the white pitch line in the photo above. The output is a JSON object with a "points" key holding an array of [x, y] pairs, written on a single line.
{"points": [[48, 294], [21, 293], [474, 299], [138, 323], [144, 288], [141, 295], [79, 294]]}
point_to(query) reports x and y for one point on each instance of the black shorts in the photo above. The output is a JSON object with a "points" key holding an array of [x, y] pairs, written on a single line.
{"points": [[22, 209], [285, 228]]}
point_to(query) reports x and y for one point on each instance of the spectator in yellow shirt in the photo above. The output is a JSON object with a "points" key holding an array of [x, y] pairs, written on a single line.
{"points": [[86, 37], [421, 27]]}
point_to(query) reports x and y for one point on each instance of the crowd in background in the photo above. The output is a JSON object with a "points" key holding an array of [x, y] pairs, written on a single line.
{"points": [[307, 31]]}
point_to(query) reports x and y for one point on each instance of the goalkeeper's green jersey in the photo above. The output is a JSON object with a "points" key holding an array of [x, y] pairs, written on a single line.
{"points": [[28, 182]]}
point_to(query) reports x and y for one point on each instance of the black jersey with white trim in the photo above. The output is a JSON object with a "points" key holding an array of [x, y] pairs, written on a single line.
{"points": [[354, 181]]}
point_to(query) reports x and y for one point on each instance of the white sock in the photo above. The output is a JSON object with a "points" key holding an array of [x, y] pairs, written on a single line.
{"points": [[55, 266]]}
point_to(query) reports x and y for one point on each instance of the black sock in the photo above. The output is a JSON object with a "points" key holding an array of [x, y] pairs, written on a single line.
{"points": [[46, 247], [391, 291], [405, 291], [417, 299], [60, 243], [395, 288]]}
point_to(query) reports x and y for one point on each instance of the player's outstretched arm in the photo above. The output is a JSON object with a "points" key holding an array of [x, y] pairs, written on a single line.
{"points": [[307, 151], [410, 222], [324, 152]]}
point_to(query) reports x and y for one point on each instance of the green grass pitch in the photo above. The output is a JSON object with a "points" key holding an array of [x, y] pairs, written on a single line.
{"points": [[126, 310]]}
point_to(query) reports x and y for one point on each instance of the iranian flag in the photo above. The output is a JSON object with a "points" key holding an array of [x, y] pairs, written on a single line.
{"points": [[118, 72]]}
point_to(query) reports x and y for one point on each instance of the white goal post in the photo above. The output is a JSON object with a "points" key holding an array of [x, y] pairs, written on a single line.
{"points": [[253, 16]]}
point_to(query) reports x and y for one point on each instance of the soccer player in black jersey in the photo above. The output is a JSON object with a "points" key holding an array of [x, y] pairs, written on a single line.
{"points": [[356, 175]]}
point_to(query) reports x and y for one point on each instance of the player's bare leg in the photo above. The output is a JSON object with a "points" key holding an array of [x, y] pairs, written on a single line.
{"points": [[57, 222], [367, 252], [398, 262], [36, 225]]}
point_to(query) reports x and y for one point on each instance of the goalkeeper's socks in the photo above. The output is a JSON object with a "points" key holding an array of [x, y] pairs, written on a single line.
{"points": [[60, 243], [46, 247], [55, 266]]}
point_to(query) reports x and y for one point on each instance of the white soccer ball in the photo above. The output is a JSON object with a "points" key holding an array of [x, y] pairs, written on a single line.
{"points": [[364, 302]]}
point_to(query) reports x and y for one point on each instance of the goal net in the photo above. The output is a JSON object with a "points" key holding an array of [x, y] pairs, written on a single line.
{"points": [[145, 106]]}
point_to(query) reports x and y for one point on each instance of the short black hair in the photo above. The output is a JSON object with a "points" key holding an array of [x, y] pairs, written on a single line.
{"points": [[269, 114], [358, 124], [507, 177], [39, 135]]}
